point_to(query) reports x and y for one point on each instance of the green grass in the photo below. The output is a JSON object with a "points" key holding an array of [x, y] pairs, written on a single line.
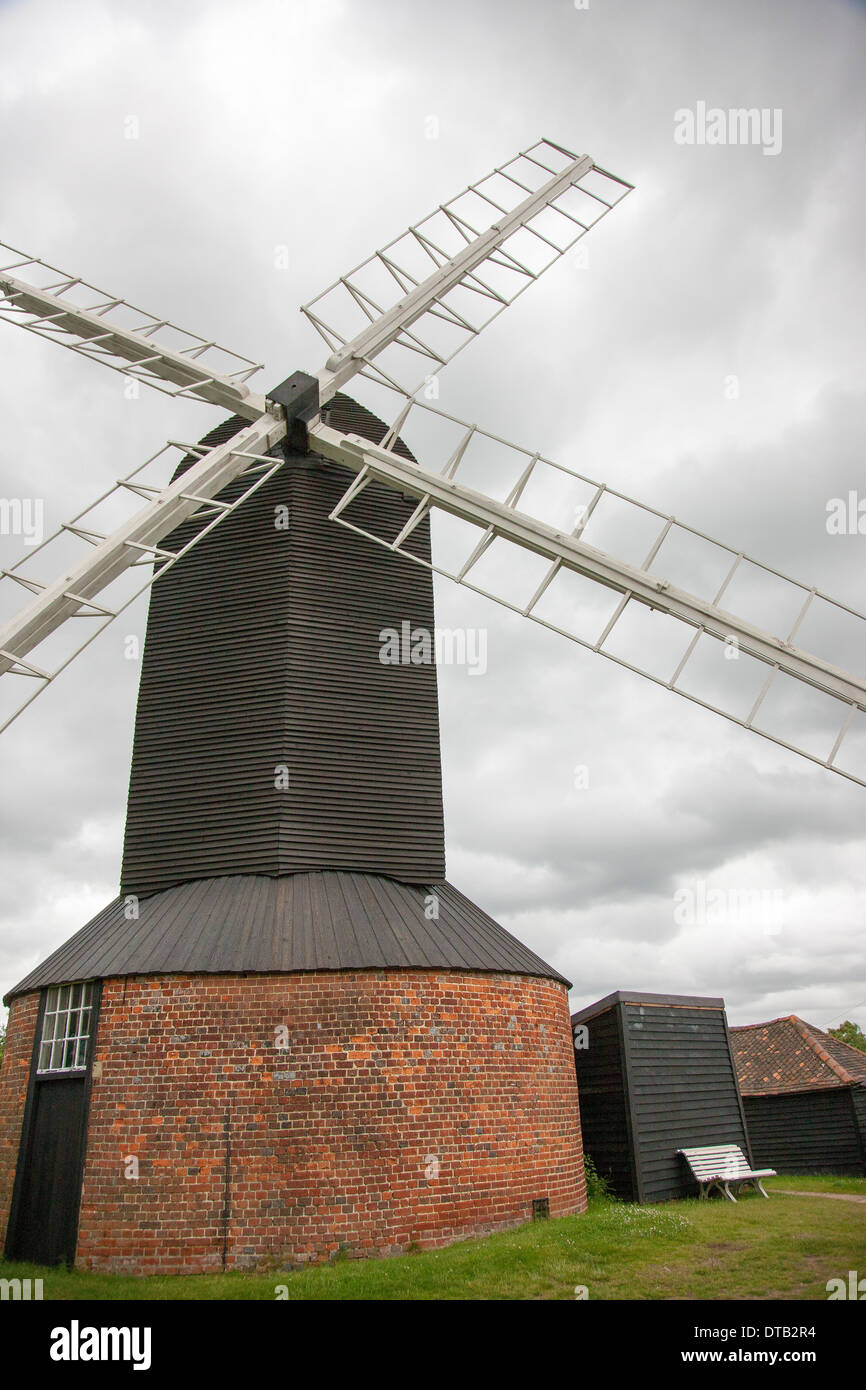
{"points": [[826, 1182], [787, 1248]]}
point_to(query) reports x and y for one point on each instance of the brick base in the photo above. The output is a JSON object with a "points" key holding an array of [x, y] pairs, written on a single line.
{"points": [[14, 1075], [276, 1119]]}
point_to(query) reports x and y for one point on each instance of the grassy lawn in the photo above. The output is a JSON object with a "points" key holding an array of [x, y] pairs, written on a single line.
{"points": [[826, 1183], [787, 1247]]}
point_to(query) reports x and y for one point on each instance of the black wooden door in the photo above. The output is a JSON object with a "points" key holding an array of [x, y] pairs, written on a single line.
{"points": [[46, 1220]]}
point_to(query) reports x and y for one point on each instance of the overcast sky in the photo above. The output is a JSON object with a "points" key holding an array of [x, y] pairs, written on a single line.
{"points": [[327, 128]]}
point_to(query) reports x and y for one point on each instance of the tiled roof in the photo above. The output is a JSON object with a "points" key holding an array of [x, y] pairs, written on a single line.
{"points": [[788, 1055]]}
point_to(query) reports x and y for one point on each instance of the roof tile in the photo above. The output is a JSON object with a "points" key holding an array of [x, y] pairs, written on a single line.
{"points": [[788, 1055]]}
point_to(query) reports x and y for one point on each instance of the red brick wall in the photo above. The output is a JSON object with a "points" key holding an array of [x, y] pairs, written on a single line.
{"points": [[14, 1074], [328, 1140]]}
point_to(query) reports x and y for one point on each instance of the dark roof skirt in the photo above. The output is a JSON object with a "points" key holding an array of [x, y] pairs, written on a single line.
{"points": [[673, 1001], [254, 924]]}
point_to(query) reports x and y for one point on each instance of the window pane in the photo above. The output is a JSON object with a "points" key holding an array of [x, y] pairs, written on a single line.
{"points": [[66, 1027]]}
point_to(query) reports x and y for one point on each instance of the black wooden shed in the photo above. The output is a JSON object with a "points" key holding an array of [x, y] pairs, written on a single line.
{"points": [[655, 1074], [804, 1095]]}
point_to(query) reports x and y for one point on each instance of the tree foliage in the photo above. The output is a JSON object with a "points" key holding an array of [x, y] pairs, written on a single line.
{"points": [[850, 1033]]}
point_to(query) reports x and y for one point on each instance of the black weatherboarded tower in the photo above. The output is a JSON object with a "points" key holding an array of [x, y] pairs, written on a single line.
{"points": [[292, 1035], [267, 739]]}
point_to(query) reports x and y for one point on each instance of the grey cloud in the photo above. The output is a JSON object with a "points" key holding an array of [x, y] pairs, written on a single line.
{"points": [[722, 261]]}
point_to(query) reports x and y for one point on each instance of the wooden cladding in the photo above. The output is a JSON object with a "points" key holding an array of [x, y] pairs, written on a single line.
{"points": [[270, 737]]}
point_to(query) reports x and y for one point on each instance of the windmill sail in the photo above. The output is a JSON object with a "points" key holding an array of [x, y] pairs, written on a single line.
{"points": [[487, 245], [412, 305], [408, 309], [99, 562], [691, 613], [66, 309]]}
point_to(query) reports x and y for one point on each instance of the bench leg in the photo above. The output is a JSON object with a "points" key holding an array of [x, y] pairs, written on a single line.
{"points": [[728, 1193], [760, 1186]]}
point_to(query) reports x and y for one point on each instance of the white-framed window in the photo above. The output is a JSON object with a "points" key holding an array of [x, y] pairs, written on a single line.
{"points": [[66, 1027]]}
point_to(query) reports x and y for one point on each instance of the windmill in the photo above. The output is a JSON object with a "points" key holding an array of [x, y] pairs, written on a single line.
{"points": [[283, 883]]}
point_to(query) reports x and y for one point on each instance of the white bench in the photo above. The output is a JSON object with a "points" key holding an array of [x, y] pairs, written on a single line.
{"points": [[721, 1165]]}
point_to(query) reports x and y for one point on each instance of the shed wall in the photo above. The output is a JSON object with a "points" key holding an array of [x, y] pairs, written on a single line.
{"points": [[603, 1103], [807, 1132], [683, 1092], [858, 1101]]}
